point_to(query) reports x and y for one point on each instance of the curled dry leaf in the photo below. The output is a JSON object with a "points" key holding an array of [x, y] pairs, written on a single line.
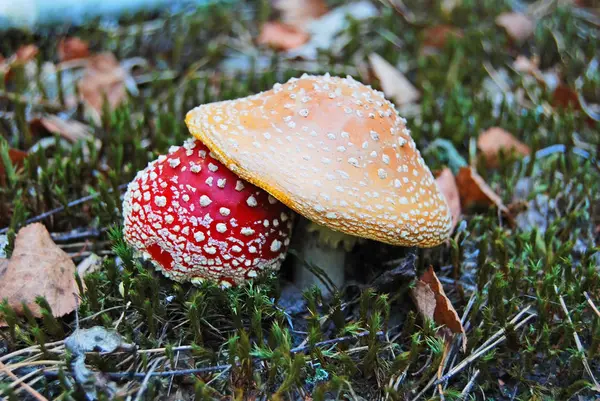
{"points": [[299, 13], [517, 25], [72, 49], [437, 36], [447, 183], [71, 130], [38, 267], [103, 77], [393, 82], [281, 36], [16, 157], [495, 140], [565, 97], [474, 190], [432, 303]]}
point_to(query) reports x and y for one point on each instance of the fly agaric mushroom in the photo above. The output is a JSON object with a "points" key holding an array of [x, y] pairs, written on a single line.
{"points": [[335, 151], [196, 220]]}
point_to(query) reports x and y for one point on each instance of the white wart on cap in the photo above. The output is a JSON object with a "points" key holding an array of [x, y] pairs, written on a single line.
{"points": [[334, 150], [196, 220]]}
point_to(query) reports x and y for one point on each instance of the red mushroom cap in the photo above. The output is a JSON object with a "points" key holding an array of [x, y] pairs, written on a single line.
{"points": [[196, 220]]}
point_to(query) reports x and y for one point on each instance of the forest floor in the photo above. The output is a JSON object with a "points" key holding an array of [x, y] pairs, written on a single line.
{"points": [[507, 92]]}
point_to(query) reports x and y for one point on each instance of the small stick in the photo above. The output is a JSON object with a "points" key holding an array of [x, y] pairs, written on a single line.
{"points": [[29, 350], [62, 208], [580, 348], [26, 386], [481, 350], [587, 296], [146, 380], [469, 386]]}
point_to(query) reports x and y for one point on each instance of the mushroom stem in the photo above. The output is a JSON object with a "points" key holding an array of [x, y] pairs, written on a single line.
{"points": [[321, 257]]}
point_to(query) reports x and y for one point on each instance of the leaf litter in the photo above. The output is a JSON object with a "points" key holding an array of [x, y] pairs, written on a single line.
{"points": [[38, 267], [433, 304]]}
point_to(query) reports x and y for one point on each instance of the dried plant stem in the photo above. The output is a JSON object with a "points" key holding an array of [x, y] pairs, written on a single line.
{"points": [[589, 300], [488, 345], [469, 385], [580, 348], [27, 387]]}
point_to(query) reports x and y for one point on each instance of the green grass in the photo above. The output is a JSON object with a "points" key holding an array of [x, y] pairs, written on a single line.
{"points": [[493, 268]]}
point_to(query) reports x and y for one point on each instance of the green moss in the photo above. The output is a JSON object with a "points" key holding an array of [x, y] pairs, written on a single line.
{"points": [[364, 342]]}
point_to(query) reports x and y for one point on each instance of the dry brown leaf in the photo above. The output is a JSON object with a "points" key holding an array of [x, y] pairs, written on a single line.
{"points": [[393, 82], [447, 183], [17, 157], [437, 36], [72, 49], [281, 36], [26, 53], [494, 140], [299, 13], [565, 97], [71, 130], [474, 190], [517, 25], [38, 267], [432, 303], [103, 76]]}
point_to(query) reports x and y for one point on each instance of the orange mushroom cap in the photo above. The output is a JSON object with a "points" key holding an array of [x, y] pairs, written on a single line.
{"points": [[334, 150]]}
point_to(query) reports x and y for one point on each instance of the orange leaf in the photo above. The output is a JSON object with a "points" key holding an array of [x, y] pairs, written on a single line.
{"points": [[473, 190], [432, 303], [518, 26], [447, 183], [103, 76], [281, 36], [437, 36], [565, 97], [299, 13], [38, 267], [494, 140], [17, 157], [72, 49]]}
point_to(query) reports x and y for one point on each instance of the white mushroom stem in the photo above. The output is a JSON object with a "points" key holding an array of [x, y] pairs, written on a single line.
{"points": [[321, 258]]}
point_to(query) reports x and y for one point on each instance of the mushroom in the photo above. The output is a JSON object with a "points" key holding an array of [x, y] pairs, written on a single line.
{"points": [[335, 151], [196, 220]]}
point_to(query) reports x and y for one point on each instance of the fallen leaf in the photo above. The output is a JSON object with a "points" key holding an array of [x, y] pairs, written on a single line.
{"points": [[38, 267], [447, 183], [517, 25], [432, 303], [495, 140], [393, 82], [329, 30], [281, 36], [17, 157], [437, 36], [565, 97], [22, 56], [72, 49], [26, 53], [103, 77], [299, 13], [474, 190], [71, 130]]}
